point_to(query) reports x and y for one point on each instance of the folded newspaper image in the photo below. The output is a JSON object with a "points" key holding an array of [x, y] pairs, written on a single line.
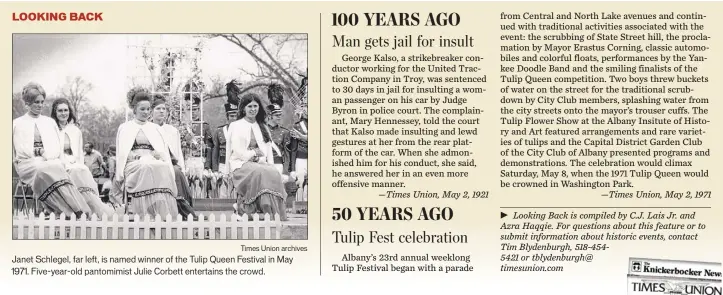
{"points": [[646, 276]]}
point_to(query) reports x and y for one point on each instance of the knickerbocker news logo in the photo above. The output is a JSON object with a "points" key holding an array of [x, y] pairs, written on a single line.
{"points": [[646, 267]]}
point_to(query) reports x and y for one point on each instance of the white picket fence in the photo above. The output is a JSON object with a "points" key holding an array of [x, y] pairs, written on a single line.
{"points": [[134, 227]]}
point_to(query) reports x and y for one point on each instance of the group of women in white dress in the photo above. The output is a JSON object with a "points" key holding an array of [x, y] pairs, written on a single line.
{"points": [[48, 156]]}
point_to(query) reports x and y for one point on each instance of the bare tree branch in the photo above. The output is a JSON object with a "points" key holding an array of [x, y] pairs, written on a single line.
{"points": [[75, 91], [273, 60], [235, 40], [273, 66]]}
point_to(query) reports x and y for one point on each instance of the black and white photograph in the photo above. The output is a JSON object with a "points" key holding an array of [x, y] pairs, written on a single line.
{"points": [[160, 136]]}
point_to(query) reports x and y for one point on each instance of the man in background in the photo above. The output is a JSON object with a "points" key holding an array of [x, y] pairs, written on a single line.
{"points": [[299, 153], [106, 186], [93, 160], [111, 161], [199, 160], [281, 145], [218, 157]]}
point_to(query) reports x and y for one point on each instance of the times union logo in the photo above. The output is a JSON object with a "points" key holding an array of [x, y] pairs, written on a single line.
{"points": [[636, 266]]}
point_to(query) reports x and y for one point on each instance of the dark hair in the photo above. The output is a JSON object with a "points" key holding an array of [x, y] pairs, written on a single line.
{"points": [[90, 144], [54, 112], [136, 95], [158, 99], [260, 115], [31, 91], [276, 94]]}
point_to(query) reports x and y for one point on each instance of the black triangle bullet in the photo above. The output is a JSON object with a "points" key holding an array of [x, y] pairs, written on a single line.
{"points": [[502, 214]]}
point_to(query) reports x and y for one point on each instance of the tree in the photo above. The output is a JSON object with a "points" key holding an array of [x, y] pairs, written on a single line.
{"points": [[20, 109], [175, 72], [217, 89], [18, 105], [100, 125], [273, 66], [75, 90]]}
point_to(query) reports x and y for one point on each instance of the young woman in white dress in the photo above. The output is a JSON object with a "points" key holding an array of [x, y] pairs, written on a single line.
{"points": [[184, 199], [258, 184], [37, 152], [144, 169], [71, 139]]}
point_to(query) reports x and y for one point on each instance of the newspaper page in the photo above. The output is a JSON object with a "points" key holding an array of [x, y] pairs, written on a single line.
{"points": [[673, 277], [365, 147]]}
